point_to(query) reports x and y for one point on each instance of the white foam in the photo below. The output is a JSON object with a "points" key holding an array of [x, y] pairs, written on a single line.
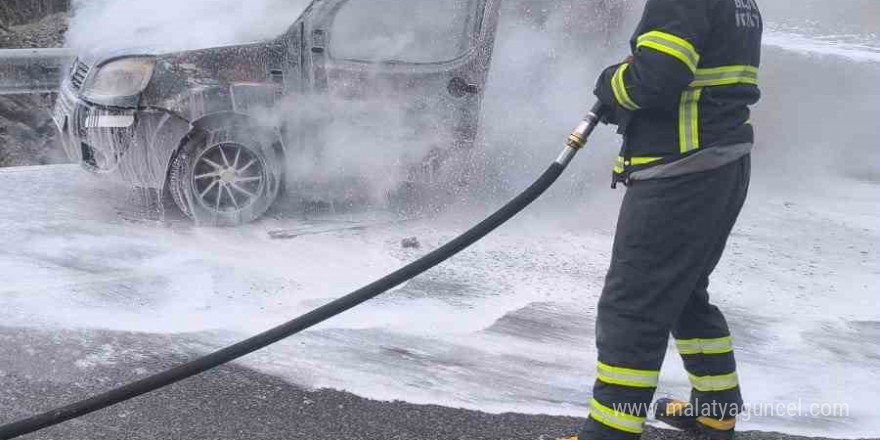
{"points": [[850, 47]]}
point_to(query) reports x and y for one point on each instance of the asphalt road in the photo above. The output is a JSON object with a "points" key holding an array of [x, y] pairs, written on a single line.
{"points": [[43, 368]]}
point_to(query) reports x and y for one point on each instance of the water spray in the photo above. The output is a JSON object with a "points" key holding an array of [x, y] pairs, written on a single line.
{"points": [[576, 141]]}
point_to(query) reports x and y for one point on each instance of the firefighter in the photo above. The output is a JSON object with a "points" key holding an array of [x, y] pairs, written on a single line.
{"points": [[681, 102]]}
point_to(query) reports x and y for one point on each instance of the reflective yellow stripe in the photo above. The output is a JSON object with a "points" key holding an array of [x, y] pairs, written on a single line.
{"points": [[616, 419], [688, 120], [705, 346], [714, 383], [671, 45], [618, 165], [621, 163], [725, 75], [642, 160], [619, 89], [627, 376]]}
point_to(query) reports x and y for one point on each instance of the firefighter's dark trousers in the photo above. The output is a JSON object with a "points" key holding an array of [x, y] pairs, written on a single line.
{"points": [[670, 235]]}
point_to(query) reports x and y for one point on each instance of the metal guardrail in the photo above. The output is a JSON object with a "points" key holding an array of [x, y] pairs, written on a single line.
{"points": [[25, 71]]}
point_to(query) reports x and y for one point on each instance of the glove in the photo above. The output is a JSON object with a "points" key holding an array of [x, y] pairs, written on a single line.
{"points": [[614, 114], [603, 92]]}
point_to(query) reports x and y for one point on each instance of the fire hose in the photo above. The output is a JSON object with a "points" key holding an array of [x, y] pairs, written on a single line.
{"points": [[576, 140]]}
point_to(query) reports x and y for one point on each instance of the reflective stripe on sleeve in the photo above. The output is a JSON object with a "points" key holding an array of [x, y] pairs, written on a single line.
{"points": [[627, 376], [671, 45], [714, 383], [704, 346], [616, 419], [688, 120], [725, 75], [619, 89]]}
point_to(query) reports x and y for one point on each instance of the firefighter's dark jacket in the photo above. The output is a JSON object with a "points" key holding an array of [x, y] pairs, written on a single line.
{"points": [[692, 75]]}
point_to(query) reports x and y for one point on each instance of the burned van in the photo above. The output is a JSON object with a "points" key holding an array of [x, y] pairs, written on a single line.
{"points": [[218, 128]]}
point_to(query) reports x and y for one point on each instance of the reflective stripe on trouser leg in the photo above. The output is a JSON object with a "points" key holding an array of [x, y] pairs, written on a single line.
{"points": [[720, 382], [616, 418], [628, 377], [688, 120], [709, 361], [712, 373], [704, 346]]}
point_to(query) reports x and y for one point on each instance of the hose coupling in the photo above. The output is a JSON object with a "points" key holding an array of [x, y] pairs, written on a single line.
{"points": [[578, 138]]}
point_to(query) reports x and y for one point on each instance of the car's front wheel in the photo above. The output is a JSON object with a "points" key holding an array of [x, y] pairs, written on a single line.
{"points": [[227, 176]]}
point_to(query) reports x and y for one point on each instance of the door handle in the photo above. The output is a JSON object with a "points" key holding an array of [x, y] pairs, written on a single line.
{"points": [[458, 88], [276, 76]]}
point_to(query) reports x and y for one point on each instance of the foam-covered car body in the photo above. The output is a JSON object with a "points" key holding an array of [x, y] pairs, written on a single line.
{"points": [[135, 115]]}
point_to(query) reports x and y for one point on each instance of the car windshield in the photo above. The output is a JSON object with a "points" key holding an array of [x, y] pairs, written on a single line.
{"points": [[412, 31], [168, 25]]}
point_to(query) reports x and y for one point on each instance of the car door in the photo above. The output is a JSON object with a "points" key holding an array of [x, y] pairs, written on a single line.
{"points": [[400, 73]]}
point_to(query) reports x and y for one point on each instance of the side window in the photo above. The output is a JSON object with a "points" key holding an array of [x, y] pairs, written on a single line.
{"points": [[411, 31]]}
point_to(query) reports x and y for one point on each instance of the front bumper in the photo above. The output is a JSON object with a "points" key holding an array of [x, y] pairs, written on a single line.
{"points": [[134, 145], [94, 137]]}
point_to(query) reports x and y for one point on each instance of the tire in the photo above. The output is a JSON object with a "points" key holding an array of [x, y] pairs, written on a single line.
{"points": [[227, 176]]}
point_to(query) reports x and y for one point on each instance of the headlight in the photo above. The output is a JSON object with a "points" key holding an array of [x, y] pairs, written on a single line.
{"points": [[119, 78]]}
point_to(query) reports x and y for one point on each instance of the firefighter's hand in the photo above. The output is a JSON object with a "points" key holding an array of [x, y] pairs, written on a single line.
{"points": [[614, 114], [606, 115], [603, 92], [601, 111]]}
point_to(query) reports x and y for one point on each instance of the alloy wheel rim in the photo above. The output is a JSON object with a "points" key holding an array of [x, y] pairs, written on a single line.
{"points": [[228, 177]]}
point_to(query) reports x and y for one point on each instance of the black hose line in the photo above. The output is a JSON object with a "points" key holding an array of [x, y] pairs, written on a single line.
{"points": [[254, 343]]}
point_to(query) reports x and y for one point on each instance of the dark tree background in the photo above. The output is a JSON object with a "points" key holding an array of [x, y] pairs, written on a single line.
{"points": [[27, 134]]}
